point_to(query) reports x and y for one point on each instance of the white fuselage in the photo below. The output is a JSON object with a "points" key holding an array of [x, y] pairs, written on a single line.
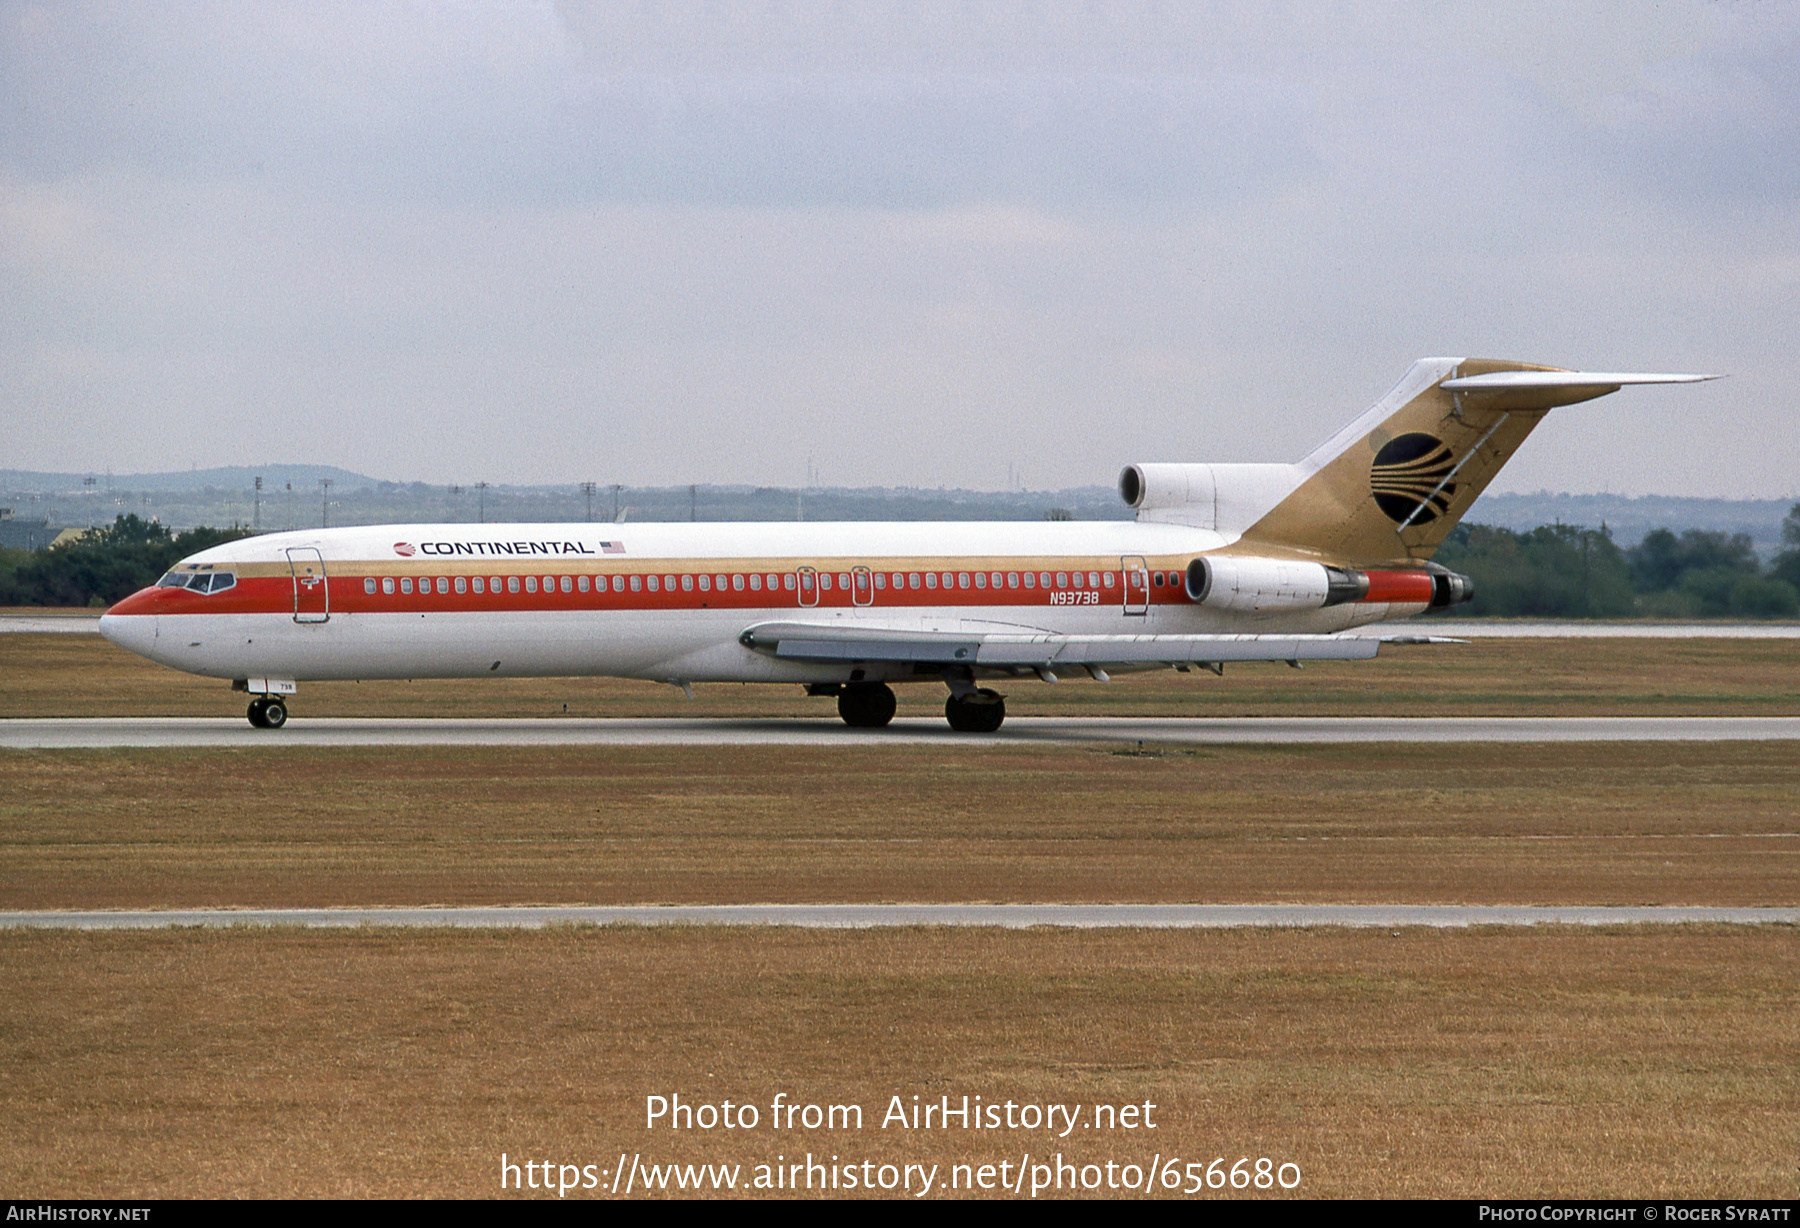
{"points": [[667, 602]]}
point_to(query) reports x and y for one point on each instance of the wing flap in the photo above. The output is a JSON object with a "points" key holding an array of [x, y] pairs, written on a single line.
{"points": [[1043, 650], [1172, 649], [952, 651]]}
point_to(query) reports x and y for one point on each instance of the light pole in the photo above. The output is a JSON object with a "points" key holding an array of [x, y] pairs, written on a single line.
{"points": [[481, 502], [324, 502], [588, 489]]}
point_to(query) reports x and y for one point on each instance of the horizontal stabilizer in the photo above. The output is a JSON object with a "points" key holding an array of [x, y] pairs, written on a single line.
{"points": [[1039, 650], [1565, 379], [1548, 389]]}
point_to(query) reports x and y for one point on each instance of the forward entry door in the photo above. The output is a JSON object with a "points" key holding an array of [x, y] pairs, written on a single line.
{"points": [[312, 596]]}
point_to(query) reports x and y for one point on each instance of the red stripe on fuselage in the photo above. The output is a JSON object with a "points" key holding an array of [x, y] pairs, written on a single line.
{"points": [[349, 595]]}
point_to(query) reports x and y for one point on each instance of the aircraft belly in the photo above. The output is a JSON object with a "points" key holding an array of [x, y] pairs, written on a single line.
{"points": [[435, 645], [689, 646]]}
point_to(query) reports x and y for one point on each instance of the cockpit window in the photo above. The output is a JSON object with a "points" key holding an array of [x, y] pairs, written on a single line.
{"points": [[199, 581]]}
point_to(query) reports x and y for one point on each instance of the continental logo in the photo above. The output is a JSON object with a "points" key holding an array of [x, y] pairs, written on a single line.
{"points": [[1407, 476], [554, 549], [406, 550]]}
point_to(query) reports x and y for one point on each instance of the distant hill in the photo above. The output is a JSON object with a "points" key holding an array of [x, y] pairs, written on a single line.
{"points": [[292, 499], [231, 477]]}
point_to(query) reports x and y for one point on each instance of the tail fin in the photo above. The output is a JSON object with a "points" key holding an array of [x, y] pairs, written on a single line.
{"points": [[1391, 485]]}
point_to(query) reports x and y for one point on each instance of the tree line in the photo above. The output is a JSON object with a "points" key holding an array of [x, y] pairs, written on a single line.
{"points": [[103, 566], [1567, 571], [1553, 571]]}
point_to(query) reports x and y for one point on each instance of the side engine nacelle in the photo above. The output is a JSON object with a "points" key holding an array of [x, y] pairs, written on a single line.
{"points": [[1254, 585], [1271, 584]]}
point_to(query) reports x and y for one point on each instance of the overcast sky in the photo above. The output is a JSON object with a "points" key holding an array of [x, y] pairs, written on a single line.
{"points": [[917, 243]]}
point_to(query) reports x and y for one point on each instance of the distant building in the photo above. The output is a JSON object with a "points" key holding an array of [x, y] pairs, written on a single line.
{"points": [[16, 534]]}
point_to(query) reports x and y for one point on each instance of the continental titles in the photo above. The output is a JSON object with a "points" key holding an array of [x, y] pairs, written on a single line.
{"points": [[555, 549]]}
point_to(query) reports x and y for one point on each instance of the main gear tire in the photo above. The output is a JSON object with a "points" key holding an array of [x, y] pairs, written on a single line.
{"points": [[981, 712], [258, 713], [867, 705]]}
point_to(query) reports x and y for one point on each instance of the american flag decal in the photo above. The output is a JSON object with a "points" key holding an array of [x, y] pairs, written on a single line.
{"points": [[612, 547]]}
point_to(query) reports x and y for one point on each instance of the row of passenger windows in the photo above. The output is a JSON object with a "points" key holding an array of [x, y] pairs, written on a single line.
{"points": [[201, 582], [572, 584], [759, 582]]}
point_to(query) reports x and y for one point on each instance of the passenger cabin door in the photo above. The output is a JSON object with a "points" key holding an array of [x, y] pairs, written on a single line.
{"points": [[862, 586], [809, 587], [1137, 586], [312, 597]]}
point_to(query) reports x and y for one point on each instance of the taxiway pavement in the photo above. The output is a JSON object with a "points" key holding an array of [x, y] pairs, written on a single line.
{"points": [[1531, 628], [91, 733]]}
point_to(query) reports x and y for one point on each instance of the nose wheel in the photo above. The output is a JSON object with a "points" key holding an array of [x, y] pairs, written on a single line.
{"points": [[268, 713]]}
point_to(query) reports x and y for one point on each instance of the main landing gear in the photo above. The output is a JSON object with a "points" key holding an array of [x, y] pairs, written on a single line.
{"points": [[976, 711], [268, 712], [866, 705], [870, 705]]}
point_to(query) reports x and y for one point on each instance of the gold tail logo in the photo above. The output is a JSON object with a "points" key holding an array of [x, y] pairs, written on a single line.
{"points": [[1409, 478]]}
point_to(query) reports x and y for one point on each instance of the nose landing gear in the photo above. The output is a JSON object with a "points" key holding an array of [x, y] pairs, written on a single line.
{"points": [[268, 712]]}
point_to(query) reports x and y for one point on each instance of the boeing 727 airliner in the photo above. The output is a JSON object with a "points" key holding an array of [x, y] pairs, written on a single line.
{"points": [[1238, 562]]}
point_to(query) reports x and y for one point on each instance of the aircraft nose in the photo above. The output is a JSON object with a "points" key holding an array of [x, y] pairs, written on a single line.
{"points": [[132, 632], [141, 602]]}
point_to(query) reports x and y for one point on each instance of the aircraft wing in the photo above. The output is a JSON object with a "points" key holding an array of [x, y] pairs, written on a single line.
{"points": [[1041, 650]]}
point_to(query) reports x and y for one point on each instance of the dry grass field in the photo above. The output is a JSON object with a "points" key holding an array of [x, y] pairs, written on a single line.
{"points": [[1546, 1062], [1578, 823], [1625, 1063], [83, 675]]}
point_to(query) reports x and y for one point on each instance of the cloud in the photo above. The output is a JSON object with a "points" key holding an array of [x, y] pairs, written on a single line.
{"points": [[695, 241]]}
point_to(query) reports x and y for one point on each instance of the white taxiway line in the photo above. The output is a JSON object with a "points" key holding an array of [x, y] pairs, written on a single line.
{"points": [[871, 916], [48, 734], [49, 624]]}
